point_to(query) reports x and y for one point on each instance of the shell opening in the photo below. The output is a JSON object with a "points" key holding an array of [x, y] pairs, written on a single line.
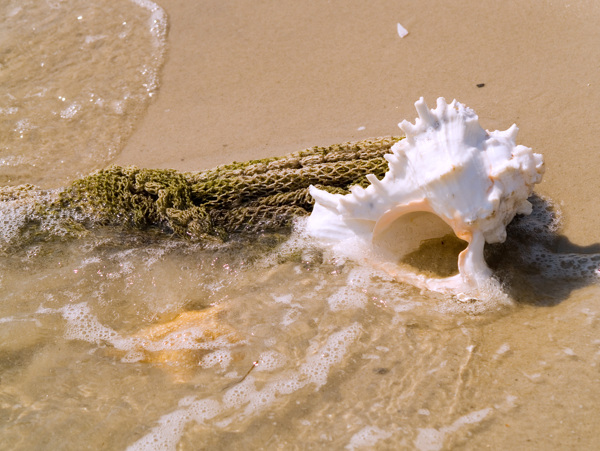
{"points": [[422, 242]]}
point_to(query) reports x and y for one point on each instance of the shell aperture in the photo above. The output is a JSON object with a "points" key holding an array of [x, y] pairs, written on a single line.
{"points": [[449, 167]]}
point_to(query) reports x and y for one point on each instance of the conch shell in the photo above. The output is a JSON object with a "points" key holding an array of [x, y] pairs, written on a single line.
{"points": [[447, 172]]}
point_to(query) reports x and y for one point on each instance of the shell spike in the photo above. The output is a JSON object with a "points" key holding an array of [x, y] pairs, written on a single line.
{"points": [[424, 114], [376, 183], [421, 107], [398, 148], [441, 109], [409, 130], [326, 199], [392, 159], [441, 103], [359, 192], [462, 112], [511, 132]]}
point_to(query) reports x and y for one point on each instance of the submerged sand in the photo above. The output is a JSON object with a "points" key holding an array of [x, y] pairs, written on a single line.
{"points": [[247, 80]]}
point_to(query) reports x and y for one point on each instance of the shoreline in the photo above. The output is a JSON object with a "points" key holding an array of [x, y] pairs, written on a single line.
{"points": [[250, 81]]}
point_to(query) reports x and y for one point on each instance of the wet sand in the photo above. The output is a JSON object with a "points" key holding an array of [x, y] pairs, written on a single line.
{"points": [[245, 80]]}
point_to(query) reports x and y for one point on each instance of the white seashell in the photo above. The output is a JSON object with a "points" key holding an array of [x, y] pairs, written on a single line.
{"points": [[448, 167]]}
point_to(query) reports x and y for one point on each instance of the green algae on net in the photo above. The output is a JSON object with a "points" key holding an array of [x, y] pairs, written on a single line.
{"points": [[250, 197]]}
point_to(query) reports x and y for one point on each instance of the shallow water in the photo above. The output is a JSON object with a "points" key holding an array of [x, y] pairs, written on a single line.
{"points": [[75, 77], [291, 347], [307, 350]]}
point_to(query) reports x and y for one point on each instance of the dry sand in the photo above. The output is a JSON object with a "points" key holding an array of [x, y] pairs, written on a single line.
{"points": [[249, 79]]}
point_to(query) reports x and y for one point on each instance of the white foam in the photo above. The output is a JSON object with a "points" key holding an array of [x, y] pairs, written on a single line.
{"points": [[71, 111], [270, 360], [221, 357], [170, 426], [510, 402], [314, 370], [240, 393], [503, 349], [83, 325], [14, 319], [370, 265], [353, 295], [370, 357], [317, 366], [538, 234], [91, 39], [430, 439], [347, 297], [284, 299], [157, 21], [17, 208], [243, 398], [367, 437], [290, 316]]}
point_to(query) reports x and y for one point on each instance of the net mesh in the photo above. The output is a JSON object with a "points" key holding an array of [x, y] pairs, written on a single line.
{"points": [[254, 196]]}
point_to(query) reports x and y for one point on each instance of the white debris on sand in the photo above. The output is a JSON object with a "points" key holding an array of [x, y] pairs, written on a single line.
{"points": [[401, 30]]}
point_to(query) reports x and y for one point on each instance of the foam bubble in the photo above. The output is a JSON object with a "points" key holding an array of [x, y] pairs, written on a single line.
{"points": [[430, 439], [83, 325], [283, 299], [17, 208], [536, 263], [240, 393], [170, 426], [157, 21], [371, 262], [317, 366], [314, 370], [290, 316], [347, 297], [367, 437], [71, 111], [221, 357], [270, 360]]}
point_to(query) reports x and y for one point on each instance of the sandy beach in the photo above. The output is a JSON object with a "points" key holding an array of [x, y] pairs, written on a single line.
{"points": [[247, 80]]}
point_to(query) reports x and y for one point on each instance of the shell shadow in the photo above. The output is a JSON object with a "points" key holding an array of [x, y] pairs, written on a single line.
{"points": [[536, 264]]}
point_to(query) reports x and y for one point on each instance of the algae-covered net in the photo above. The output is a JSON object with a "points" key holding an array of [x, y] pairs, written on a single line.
{"points": [[254, 196]]}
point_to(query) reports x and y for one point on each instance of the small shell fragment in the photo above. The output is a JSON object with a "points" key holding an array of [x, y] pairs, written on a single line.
{"points": [[401, 30]]}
